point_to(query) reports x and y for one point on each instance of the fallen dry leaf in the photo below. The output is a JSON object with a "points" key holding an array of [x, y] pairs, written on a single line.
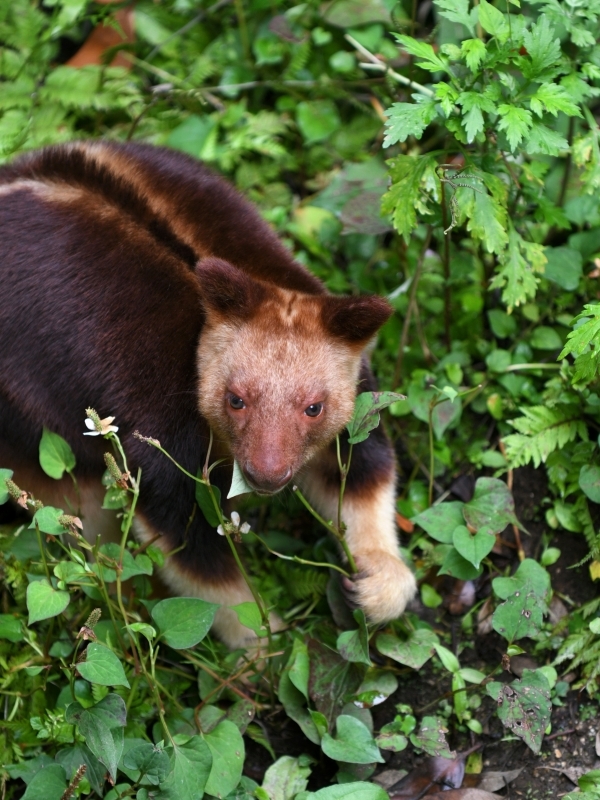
{"points": [[404, 523], [493, 781], [389, 777], [484, 618], [459, 597], [433, 775]]}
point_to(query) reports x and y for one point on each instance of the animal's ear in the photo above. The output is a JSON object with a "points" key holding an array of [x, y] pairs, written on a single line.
{"points": [[354, 319], [227, 291]]}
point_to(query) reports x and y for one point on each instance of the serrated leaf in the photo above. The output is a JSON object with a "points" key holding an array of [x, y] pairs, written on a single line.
{"points": [[56, 457], [519, 265], [408, 119], [44, 602], [493, 21], [553, 98], [543, 430], [545, 141], [473, 104], [424, 51], [366, 413], [353, 742], [474, 52], [524, 706], [184, 621], [487, 220], [516, 122], [102, 666], [405, 195], [457, 11], [413, 652], [543, 48]]}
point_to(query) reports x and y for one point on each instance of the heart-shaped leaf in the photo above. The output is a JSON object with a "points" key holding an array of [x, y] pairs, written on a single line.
{"points": [[473, 546], [43, 601]]}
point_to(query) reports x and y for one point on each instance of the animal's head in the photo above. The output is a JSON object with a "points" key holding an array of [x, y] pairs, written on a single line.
{"points": [[278, 368]]}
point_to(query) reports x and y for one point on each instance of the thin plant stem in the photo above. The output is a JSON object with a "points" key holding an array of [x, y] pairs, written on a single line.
{"points": [[42, 552], [304, 561], [446, 261], [377, 63], [331, 528], [245, 39], [409, 310]]}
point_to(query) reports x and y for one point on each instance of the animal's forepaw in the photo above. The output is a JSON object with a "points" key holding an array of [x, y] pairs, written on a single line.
{"points": [[382, 587]]}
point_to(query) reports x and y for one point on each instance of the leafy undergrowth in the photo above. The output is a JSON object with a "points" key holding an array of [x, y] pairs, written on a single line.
{"points": [[446, 156]]}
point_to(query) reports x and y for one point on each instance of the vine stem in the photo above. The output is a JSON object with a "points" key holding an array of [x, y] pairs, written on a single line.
{"points": [[377, 63], [331, 528]]}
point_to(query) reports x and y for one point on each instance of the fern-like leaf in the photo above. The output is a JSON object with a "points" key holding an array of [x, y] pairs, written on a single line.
{"points": [[543, 430]]}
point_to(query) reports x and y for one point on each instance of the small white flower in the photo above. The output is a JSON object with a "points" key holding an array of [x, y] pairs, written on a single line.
{"points": [[245, 527], [105, 427], [235, 518], [220, 531]]}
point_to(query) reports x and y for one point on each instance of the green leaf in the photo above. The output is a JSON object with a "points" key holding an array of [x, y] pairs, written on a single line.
{"points": [[332, 679], [564, 267], [5, 475], [474, 52], [408, 119], [519, 265], [520, 616], [353, 743], [589, 482], [492, 507], [204, 500], [294, 704], [414, 651], [286, 778], [405, 197], [474, 547], [458, 567], [357, 790], [529, 574], [56, 457], [354, 645], [458, 11], [239, 484], [73, 757], [545, 141], [184, 621], [228, 752], [524, 706], [448, 659], [46, 519], [10, 628], [248, 614], [102, 666], [102, 727], [431, 738], [552, 97], [473, 104], [366, 413], [542, 48], [545, 338], [49, 783], [515, 121], [43, 601], [441, 521], [191, 762], [317, 120], [543, 430], [487, 220], [493, 21], [149, 760], [429, 58]]}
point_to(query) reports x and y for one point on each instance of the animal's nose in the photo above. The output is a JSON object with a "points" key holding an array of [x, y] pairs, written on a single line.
{"points": [[267, 481]]}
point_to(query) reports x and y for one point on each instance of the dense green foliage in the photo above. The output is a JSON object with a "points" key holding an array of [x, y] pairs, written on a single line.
{"points": [[475, 209]]}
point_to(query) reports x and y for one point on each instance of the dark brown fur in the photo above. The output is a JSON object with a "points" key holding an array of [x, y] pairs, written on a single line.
{"points": [[102, 305]]}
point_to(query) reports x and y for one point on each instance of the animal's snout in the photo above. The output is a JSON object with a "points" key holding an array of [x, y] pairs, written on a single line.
{"points": [[267, 479]]}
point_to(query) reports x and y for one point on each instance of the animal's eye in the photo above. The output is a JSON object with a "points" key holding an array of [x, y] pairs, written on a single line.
{"points": [[314, 409], [236, 402]]}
